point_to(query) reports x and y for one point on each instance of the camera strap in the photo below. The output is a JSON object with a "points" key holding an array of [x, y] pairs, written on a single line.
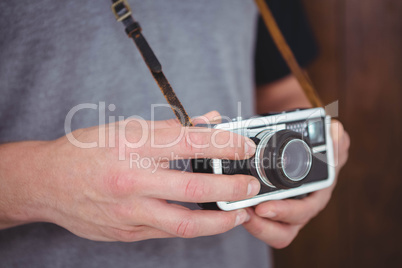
{"points": [[122, 12], [287, 54]]}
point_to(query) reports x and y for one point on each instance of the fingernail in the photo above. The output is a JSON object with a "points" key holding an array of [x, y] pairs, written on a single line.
{"points": [[270, 214], [241, 217], [249, 147], [253, 187]]}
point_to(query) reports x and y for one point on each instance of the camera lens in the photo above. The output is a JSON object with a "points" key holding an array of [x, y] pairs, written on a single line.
{"points": [[282, 160], [296, 159]]}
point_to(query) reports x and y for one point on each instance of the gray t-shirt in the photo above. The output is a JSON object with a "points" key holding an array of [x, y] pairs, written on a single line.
{"points": [[55, 55]]}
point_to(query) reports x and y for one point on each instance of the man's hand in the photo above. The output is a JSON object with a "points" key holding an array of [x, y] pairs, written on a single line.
{"points": [[95, 195], [278, 222]]}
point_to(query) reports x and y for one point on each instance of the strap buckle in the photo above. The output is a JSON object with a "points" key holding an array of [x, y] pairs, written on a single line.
{"points": [[121, 9]]}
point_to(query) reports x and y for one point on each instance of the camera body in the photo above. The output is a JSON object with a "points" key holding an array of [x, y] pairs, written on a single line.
{"points": [[294, 156]]}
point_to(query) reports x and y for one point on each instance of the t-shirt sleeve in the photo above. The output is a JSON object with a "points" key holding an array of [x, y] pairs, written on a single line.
{"points": [[291, 19]]}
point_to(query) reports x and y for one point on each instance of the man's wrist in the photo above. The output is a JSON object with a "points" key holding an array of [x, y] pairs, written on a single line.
{"points": [[21, 167]]}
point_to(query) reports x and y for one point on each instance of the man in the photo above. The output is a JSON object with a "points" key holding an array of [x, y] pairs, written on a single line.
{"points": [[62, 193]]}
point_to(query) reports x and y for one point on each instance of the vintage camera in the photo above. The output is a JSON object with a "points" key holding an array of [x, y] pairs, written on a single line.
{"points": [[294, 156]]}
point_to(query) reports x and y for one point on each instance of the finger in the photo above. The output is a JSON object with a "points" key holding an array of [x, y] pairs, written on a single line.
{"points": [[276, 234], [337, 130], [292, 211], [341, 143], [194, 142], [340, 137], [186, 223], [343, 149], [197, 187]]}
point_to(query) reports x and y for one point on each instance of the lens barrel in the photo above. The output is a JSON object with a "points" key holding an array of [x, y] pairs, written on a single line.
{"points": [[282, 160]]}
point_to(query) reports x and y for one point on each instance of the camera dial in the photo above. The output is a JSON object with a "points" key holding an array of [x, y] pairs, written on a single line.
{"points": [[282, 159]]}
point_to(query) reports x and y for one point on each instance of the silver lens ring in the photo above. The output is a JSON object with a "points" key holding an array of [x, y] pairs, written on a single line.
{"points": [[296, 160], [259, 156]]}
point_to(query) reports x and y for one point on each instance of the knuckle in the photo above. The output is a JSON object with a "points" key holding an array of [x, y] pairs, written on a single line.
{"points": [[228, 222], [119, 184], [258, 230], [271, 206], [194, 189], [186, 228], [193, 142], [231, 145], [239, 188], [113, 183]]}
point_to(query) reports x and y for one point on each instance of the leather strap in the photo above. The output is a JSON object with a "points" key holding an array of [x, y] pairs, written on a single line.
{"points": [[287, 54], [122, 11]]}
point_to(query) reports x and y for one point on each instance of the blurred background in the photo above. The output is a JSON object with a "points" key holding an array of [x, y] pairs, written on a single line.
{"points": [[360, 64]]}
